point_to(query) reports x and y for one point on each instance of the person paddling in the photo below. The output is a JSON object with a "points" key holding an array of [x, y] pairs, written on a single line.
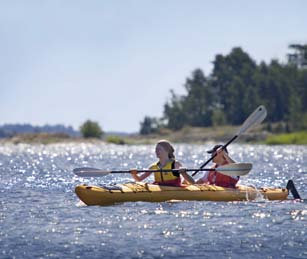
{"points": [[214, 177], [165, 153]]}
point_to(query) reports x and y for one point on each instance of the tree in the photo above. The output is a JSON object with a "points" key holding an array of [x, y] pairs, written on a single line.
{"points": [[218, 117], [198, 104], [299, 57], [294, 117], [91, 129], [235, 87], [149, 125], [233, 81], [194, 109], [302, 89], [173, 112]]}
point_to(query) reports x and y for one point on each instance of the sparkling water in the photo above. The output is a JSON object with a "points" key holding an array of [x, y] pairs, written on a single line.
{"points": [[41, 217]]}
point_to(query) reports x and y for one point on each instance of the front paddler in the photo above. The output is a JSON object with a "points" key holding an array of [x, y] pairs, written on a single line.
{"points": [[165, 153]]}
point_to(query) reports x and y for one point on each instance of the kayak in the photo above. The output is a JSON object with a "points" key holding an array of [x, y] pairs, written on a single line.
{"points": [[133, 192], [139, 191]]}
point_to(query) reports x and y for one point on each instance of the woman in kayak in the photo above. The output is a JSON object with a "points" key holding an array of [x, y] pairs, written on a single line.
{"points": [[214, 177], [165, 154]]}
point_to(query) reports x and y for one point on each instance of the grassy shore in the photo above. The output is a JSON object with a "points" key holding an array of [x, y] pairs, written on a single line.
{"points": [[199, 135], [186, 135], [299, 138]]}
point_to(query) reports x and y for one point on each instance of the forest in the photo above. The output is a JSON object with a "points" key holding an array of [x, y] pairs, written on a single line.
{"points": [[236, 86]]}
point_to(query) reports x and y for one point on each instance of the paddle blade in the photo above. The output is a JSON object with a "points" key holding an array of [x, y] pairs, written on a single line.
{"points": [[254, 119], [291, 187], [235, 169], [90, 172]]}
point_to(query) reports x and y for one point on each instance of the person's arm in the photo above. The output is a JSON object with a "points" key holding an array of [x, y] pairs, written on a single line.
{"points": [[187, 178], [226, 156], [203, 179], [137, 177]]}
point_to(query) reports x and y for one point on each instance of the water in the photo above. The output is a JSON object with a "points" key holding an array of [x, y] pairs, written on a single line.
{"points": [[41, 217]]}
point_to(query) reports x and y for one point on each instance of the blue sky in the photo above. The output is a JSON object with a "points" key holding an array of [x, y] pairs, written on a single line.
{"points": [[115, 62]]}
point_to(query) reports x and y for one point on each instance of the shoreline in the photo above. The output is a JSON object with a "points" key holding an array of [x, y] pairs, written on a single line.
{"points": [[222, 134], [186, 135]]}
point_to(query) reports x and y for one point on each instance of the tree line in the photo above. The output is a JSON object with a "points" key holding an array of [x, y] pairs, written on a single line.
{"points": [[10, 130], [88, 129], [236, 86]]}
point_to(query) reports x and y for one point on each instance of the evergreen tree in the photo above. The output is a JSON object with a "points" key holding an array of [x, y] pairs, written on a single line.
{"points": [[198, 104], [302, 88], [174, 113], [149, 125], [236, 86], [233, 78]]}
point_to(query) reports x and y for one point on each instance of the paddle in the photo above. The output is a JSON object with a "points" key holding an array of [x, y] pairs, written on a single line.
{"points": [[235, 169], [254, 119], [291, 187]]}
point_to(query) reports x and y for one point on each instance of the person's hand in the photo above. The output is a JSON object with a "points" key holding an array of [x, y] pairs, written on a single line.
{"points": [[220, 150], [182, 170]]}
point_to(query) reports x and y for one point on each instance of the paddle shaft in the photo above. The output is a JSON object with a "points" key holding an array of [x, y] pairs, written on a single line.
{"points": [[234, 169], [151, 171]]}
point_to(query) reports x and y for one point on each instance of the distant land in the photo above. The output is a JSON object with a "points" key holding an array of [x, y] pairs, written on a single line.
{"points": [[26, 133], [10, 130]]}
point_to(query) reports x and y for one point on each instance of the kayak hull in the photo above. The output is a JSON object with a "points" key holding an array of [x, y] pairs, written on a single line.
{"points": [[133, 192]]}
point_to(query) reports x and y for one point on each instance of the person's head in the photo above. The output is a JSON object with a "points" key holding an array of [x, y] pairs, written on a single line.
{"points": [[163, 147], [219, 157]]}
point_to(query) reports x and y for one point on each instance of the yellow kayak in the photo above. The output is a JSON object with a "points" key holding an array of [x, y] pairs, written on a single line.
{"points": [[139, 191]]}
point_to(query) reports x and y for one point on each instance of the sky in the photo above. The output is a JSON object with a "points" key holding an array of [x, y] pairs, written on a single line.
{"points": [[115, 62]]}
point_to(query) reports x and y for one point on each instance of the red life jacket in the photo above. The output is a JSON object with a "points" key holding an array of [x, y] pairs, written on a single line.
{"points": [[222, 180]]}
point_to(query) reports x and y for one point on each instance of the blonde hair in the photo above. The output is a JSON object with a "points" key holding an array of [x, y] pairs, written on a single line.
{"points": [[168, 147]]}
